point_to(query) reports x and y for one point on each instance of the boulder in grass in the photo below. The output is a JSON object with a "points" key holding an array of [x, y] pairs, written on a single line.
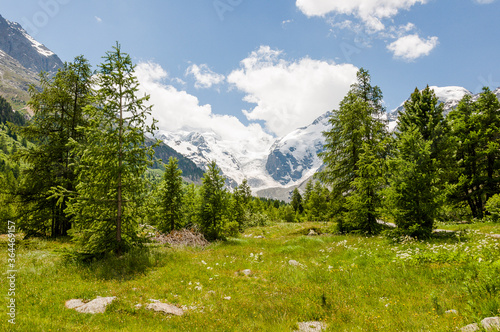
{"points": [[491, 323], [96, 306], [470, 328], [165, 308], [311, 327]]}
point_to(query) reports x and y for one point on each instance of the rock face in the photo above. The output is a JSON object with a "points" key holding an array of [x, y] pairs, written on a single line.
{"points": [[96, 306], [32, 55], [294, 156]]}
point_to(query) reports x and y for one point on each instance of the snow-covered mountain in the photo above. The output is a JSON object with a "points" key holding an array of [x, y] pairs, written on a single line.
{"points": [[295, 156], [284, 164], [31, 54]]}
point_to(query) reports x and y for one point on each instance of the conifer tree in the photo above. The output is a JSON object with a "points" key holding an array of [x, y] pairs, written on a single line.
{"points": [[297, 201], [50, 162], [475, 130], [213, 203], [411, 198], [113, 160], [171, 196], [417, 166], [355, 127]]}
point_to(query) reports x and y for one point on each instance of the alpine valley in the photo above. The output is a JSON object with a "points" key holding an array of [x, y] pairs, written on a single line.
{"points": [[286, 163]]}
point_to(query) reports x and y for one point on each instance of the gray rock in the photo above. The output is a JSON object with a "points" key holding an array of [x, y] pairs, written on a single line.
{"points": [[311, 327], [452, 311], [247, 272], [96, 306], [470, 328], [491, 323], [165, 308], [74, 303], [312, 233], [293, 262]]}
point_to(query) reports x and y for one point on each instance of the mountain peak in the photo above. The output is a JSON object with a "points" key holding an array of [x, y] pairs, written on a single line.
{"points": [[30, 53]]}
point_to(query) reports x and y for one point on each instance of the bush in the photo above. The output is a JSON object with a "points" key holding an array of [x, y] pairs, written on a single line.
{"points": [[493, 207]]}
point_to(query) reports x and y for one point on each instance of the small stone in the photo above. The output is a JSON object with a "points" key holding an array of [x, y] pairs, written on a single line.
{"points": [[258, 237], [227, 298], [247, 272], [293, 262], [165, 308], [311, 327], [138, 306], [491, 323], [312, 233], [452, 311], [470, 328]]}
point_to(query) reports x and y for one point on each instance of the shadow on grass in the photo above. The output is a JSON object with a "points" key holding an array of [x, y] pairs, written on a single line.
{"points": [[135, 263]]}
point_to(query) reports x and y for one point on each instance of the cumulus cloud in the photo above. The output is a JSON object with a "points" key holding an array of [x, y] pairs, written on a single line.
{"points": [[290, 94], [371, 12], [204, 76], [412, 47], [178, 110]]}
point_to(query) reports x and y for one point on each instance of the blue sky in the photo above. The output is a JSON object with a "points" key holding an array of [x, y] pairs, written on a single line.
{"points": [[261, 67]]}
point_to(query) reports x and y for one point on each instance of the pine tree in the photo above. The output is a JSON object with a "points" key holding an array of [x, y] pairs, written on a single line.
{"points": [[113, 161], [475, 129], [50, 162], [240, 204], [356, 126], [213, 203], [297, 201], [411, 198], [172, 195]]}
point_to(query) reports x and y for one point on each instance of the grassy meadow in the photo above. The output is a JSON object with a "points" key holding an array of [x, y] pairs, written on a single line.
{"points": [[352, 283]]}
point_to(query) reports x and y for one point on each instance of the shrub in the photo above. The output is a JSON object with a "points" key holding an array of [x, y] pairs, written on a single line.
{"points": [[493, 207]]}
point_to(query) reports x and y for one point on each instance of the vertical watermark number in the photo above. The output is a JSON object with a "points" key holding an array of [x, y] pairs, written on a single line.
{"points": [[11, 272]]}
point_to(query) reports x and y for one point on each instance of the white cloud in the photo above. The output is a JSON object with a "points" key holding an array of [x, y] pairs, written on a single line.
{"points": [[290, 94], [205, 77], [177, 110], [98, 19], [412, 47], [484, 2], [371, 12]]}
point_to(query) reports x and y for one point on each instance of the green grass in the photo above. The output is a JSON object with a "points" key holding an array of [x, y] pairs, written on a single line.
{"points": [[352, 283], [483, 227]]}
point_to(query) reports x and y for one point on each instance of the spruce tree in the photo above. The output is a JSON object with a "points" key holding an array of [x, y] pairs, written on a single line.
{"points": [[171, 196], [113, 160]]}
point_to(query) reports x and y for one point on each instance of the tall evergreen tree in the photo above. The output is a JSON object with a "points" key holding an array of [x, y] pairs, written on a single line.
{"points": [[172, 195], [213, 203], [418, 164], [475, 129], [411, 198], [113, 160], [50, 162], [297, 201], [356, 126]]}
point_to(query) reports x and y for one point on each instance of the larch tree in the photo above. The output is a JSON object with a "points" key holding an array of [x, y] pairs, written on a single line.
{"points": [[113, 160], [50, 161]]}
